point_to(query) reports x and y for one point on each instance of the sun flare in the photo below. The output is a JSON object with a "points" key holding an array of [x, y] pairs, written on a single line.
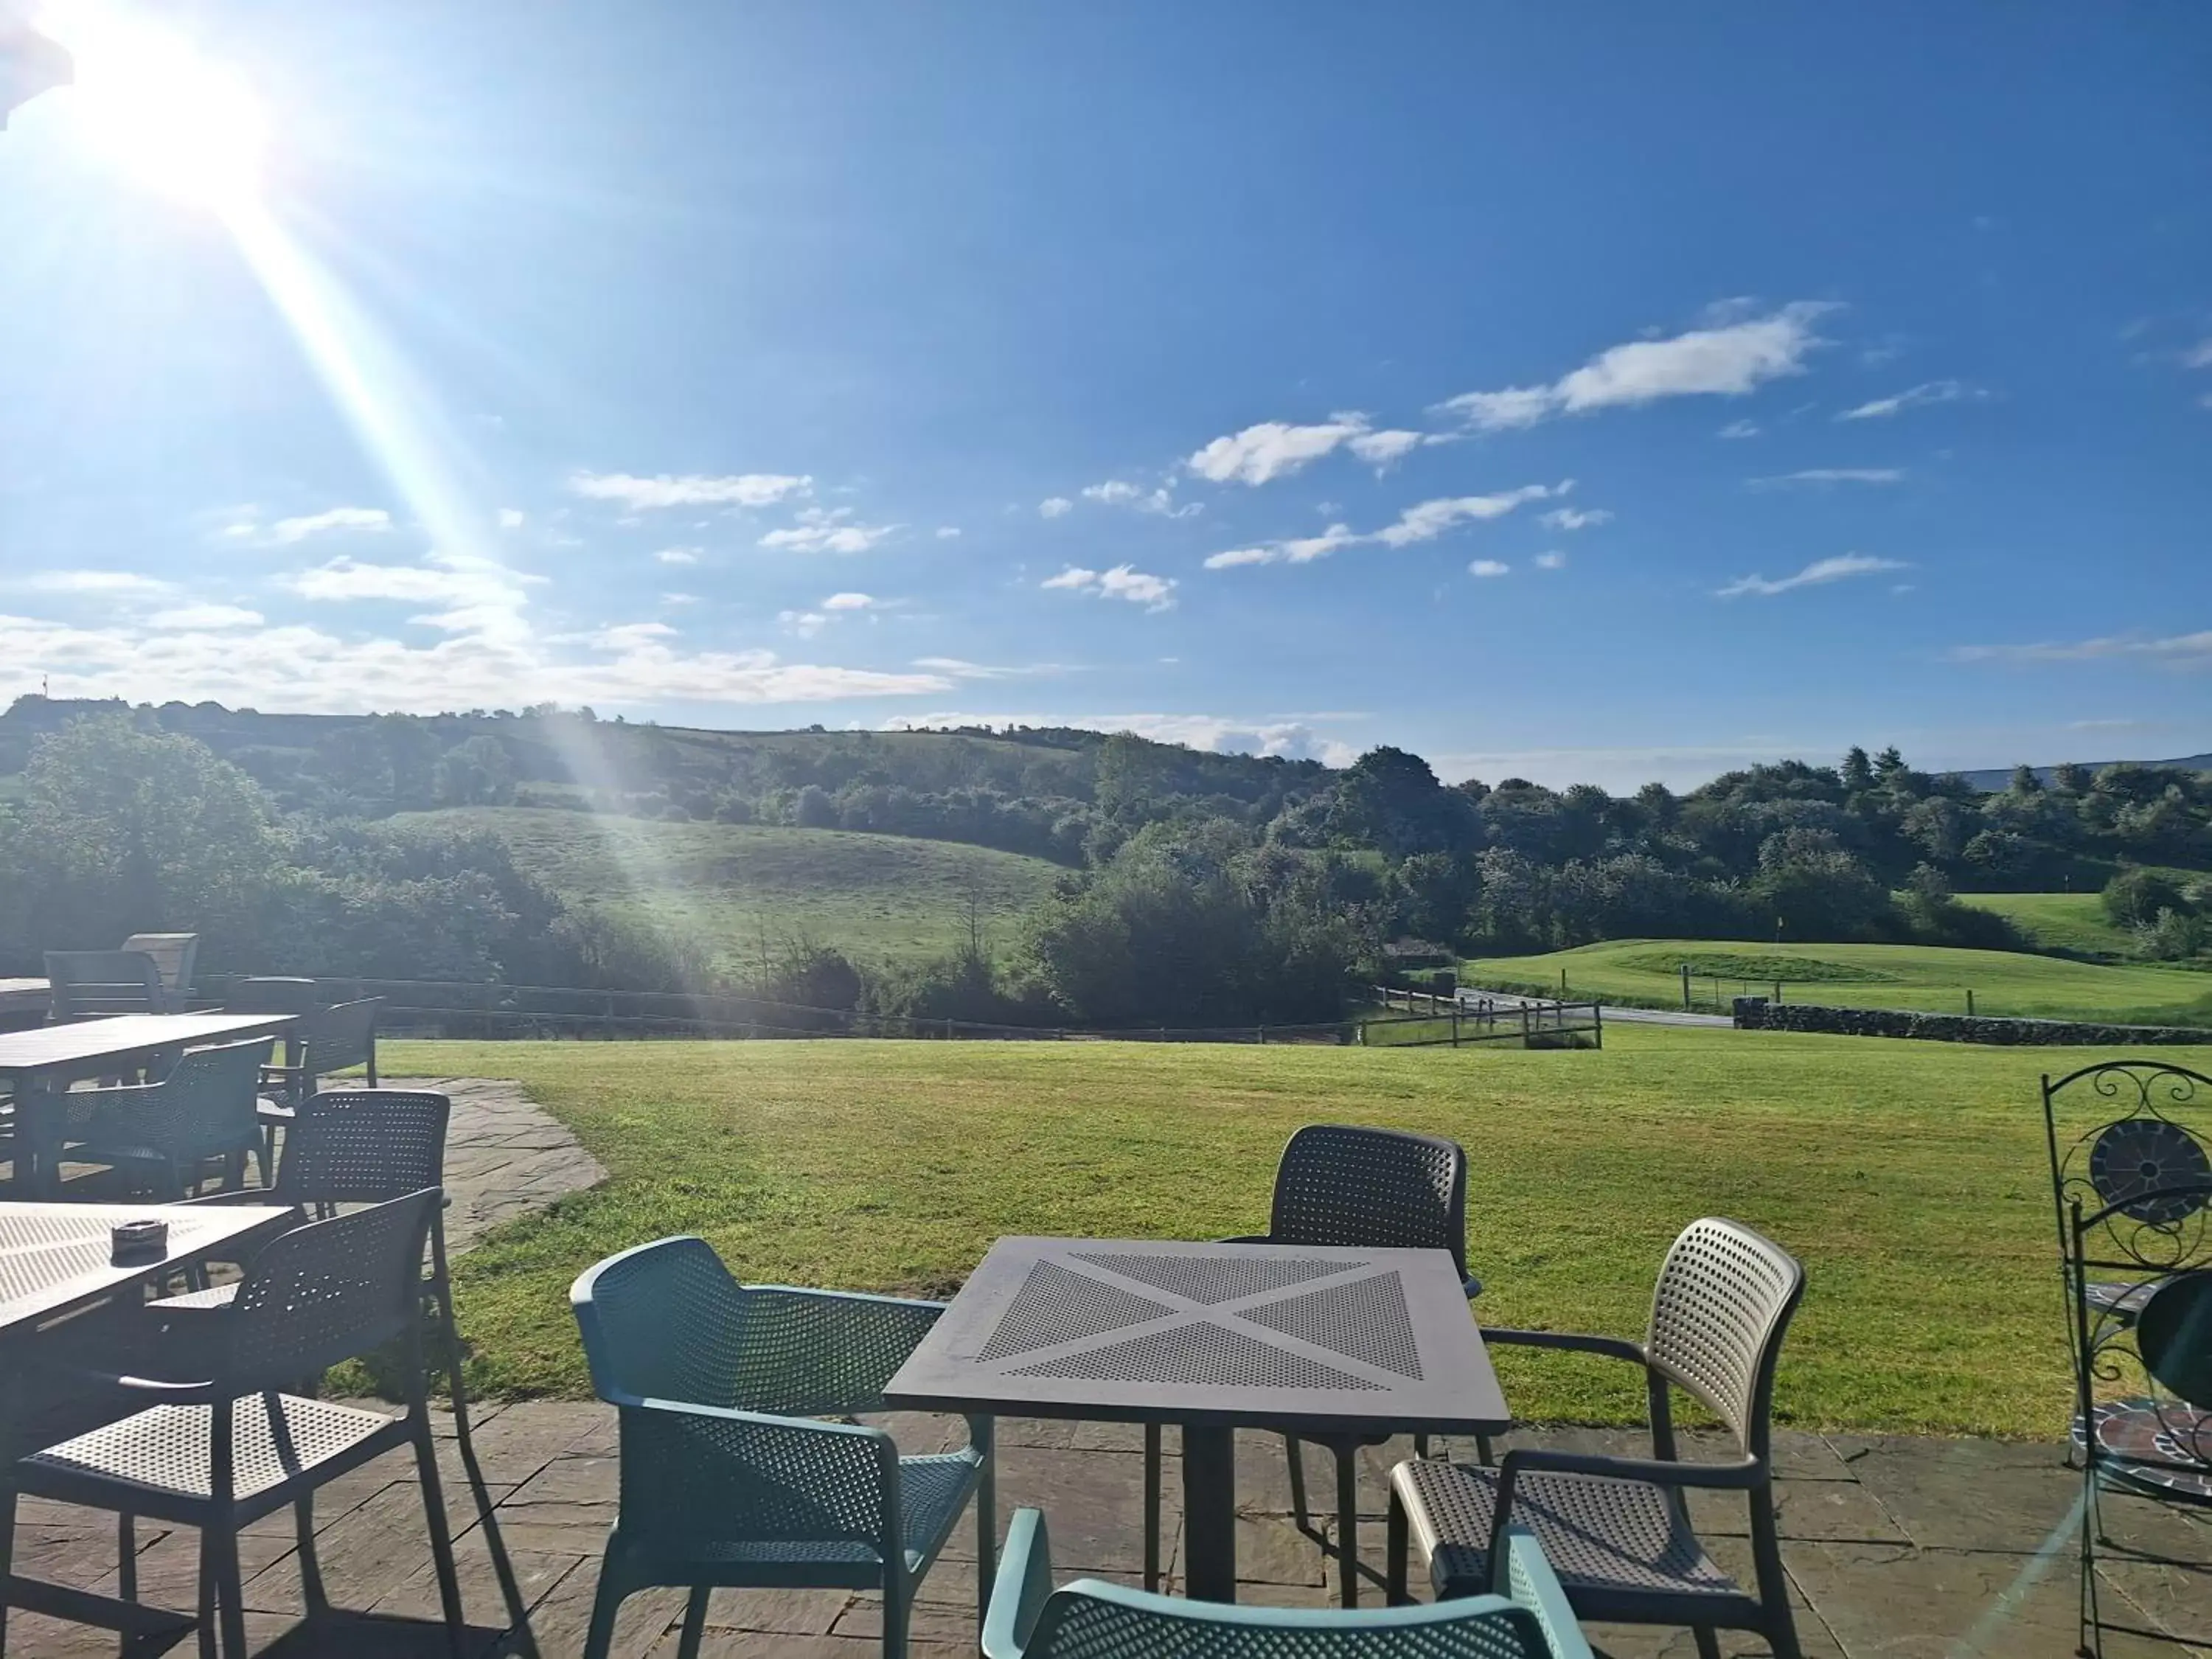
{"points": [[160, 112]]}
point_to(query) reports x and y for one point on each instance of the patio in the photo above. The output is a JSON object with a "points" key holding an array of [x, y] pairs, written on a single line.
{"points": [[1894, 1545]]}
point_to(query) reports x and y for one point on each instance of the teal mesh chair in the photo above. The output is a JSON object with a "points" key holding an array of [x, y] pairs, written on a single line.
{"points": [[1527, 1618], [161, 1136], [729, 1479]]}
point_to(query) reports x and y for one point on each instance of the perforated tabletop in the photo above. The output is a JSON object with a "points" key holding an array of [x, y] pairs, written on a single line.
{"points": [[1249, 1335], [55, 1256]]}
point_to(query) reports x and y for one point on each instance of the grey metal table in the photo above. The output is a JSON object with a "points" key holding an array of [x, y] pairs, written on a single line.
{"points": [[37, 1066], [1213, 1338], [62, 1299]]}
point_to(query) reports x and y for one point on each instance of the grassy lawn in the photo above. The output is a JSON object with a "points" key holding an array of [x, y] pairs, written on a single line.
{"points": [[1909, 1176], [1931, 977], [878, 897], [2057, 921]]}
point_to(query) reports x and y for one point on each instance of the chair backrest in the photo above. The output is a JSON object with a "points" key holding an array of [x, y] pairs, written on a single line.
{"points": [[341, 1037], [1349, 1186], [174, 954], [95, 984], [326, 1291], [364, 1146], [1090, 1620], [1718, 1317], [273, 995], [662, 1321], [2130, 1141], [206, 1104]]}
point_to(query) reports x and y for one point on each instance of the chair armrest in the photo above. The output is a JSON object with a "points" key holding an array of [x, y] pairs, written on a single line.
{"points": [[1520, 1573], [1613, 1347], [830, 1352], [1247, 1238], [1738, 1476], [146, 1390], [706, 1472], [1019, 1593]]}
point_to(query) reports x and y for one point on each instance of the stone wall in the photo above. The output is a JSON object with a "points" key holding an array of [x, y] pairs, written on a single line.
{"points": [[1758, 1014]]}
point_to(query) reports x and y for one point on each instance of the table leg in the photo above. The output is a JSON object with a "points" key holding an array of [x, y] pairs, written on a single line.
{"points": [[1209, 1513]]}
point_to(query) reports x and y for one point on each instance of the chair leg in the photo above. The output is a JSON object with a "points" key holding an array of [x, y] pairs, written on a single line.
{"points": [[1151, 1509], [518, 1611], [606, 1602], [1781, 1628], [1398, 1546], [7, 1546], [1296, 1456], [433, 1514], [207, 1598], [695, 1624], [898, 1610], [222, 1538], [126, 1557], [1347, 1526]]}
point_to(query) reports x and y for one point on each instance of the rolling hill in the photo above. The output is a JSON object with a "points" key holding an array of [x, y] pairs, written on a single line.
{"points": [[878, 898]]}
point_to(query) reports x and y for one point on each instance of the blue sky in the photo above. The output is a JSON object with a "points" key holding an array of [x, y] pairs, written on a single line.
{"points": [[1600, 394]]}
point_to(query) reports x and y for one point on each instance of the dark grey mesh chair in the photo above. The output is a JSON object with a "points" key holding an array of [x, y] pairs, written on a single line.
{"points": [[96, 984], [336, 1037], [1617, 1529], [221, 1451], [163, 1135], [1349, 1186]]}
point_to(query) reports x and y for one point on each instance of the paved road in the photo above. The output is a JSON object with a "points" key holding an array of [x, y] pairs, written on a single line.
{"points": [[1636, 1016]]}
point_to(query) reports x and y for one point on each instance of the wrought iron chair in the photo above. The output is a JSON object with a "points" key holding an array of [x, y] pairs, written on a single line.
{"points": [[95, 984], [333, 1038], [219, 1452], [2130, 1145], [1617, 1529], [728, 1480], [1525, 1616], [1346, 1185], [203, 1110], [175, 956]]}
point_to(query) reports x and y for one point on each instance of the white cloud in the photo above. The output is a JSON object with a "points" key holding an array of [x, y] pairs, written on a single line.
{"points": [[691, 489], [2174, 650], [1728, 359], [1426, 520], [2198, 355], [1553, 561], [205, 617], [852, 602], [118, 584], [1273, 449], [1055, 507], [1118, 492], [510, 518], [1919, 396], [1488, 568], [945, 532], [1831, 475], [452, 582], [1121, 582], [1573, 518], [1381, 449], [315, 671], [828, 530], [679, 599], [336, 520], [678, 555], [805, 624], [1740, 429], [1818, 574]]}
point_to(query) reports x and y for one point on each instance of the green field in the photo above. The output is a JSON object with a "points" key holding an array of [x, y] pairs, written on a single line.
{"points": [[1931, 977], [1909, 1176], [2057, 921], [880, 898]]}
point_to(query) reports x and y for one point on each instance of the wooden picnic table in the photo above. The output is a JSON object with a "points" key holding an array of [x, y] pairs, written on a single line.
{"points": [[67, 1308], [1212, 1337], [37, 1066]]}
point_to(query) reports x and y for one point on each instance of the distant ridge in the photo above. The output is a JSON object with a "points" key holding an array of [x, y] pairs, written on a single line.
{"points": [[1997, 777]]}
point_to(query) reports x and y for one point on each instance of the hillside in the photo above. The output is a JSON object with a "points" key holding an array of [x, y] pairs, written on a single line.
{"points": [[1929, 977], [2072, 922], [1994, 778], [879, 898]]}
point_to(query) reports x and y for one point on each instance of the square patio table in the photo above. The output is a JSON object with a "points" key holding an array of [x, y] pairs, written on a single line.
{"points": [[1213, 1338], [56, 1274], [39, 1066]]}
